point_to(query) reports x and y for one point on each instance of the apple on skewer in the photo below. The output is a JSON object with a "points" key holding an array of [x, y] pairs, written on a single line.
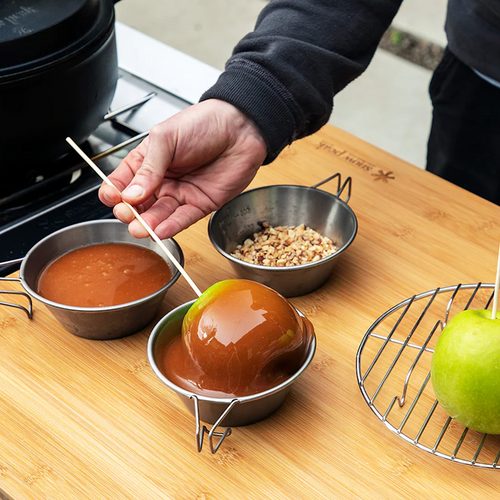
{"points": [[465, 369]]}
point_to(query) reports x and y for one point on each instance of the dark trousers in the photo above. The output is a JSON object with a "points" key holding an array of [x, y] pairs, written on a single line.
{"points": [[464, 142]]}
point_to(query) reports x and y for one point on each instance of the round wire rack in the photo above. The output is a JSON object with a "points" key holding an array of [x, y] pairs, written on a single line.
{"points": [[393, 370]]}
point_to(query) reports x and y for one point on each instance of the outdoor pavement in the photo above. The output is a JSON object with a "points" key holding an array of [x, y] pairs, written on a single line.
{"points": [[387, 106]]}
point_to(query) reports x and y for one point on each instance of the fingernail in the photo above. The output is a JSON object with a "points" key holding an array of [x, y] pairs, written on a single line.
{"points": [[106, 197], [134, 191]]}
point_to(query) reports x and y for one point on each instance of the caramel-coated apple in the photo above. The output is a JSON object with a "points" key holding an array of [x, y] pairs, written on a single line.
{"points": [[239, 338]]}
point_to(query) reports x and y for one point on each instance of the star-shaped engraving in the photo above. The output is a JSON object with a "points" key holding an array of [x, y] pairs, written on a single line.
{"points": [[383, 176]]}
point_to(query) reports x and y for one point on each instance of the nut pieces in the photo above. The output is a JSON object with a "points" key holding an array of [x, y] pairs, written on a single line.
{"points": [[284, 246]]}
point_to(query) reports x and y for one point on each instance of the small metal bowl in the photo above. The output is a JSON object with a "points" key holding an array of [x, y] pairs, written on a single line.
{"points": [[100, 323], [217, 411], [285, 205]]}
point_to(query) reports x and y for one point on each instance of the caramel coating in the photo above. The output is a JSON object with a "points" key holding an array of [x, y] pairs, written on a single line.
{"points": [[240, 338], [103, 274]]}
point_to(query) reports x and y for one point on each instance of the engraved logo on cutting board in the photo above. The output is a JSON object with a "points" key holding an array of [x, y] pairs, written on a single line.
{"points": [[383, 176], [377, 173]]}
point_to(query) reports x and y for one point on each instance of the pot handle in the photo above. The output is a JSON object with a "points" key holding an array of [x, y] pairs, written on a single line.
{"points": [[28, 310], [340, 189], [201, 430]]}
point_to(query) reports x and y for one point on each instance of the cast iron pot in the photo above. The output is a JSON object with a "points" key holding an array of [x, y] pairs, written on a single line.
{"points": [[58, 75]]}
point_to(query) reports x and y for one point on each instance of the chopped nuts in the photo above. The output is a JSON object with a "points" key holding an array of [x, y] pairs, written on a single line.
{"points": [[284, 246]]}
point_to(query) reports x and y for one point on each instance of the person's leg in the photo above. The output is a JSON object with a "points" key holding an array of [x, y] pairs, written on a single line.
{"points": [[464, 142]]}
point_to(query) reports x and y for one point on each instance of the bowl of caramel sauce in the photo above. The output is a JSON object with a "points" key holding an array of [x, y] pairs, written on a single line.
{"points": [[99, 281], [240, 346]]}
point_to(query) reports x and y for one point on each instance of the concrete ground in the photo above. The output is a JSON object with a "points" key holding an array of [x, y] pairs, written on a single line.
{"points": [[387, 106]]}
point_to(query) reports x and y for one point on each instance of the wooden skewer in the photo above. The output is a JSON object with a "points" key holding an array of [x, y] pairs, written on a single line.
{"points": [[495, 295], [146, 226]]}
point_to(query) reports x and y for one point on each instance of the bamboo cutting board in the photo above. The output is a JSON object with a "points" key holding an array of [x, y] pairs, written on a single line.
{"points": [[82, 419]]}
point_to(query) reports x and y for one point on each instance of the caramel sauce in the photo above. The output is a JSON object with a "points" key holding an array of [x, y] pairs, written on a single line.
{"points": [[243, 340], [102, 275]]}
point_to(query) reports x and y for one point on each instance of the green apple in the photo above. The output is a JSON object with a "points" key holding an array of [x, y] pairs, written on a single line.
{"points": [[205, 299], [465, 370]]}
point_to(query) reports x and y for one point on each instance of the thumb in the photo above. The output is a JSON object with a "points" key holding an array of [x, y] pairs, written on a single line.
{"points": [[158, 157]]}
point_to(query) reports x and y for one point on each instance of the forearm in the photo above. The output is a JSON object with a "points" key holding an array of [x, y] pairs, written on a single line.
{"points": [[284, 74]]}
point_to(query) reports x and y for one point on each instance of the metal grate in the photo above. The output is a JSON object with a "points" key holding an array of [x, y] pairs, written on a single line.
{"points": [[393, 371]]}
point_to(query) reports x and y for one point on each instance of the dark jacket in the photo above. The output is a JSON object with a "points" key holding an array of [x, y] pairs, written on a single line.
{"points": [[285, 73]]}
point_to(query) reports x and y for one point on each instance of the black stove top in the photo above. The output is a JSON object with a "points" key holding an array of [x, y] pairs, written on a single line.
{"points": [[67, 194], [41, 210]]}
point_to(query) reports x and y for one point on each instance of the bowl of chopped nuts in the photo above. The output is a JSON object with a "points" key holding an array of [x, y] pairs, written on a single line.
{"points": [[287, 237]]}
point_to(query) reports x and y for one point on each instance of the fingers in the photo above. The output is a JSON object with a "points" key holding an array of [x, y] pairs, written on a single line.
{"points": [[123, 175], [158, 212], [157, 158], [123, 213], [181, 219], [109, 195], [166, 217]]}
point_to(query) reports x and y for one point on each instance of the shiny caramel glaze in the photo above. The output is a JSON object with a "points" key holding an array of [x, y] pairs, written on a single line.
{"points": [[102, 275], [240, 338]]}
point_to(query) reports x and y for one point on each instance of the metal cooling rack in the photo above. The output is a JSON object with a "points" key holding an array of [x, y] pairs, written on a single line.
{"points": [[393, 366]]}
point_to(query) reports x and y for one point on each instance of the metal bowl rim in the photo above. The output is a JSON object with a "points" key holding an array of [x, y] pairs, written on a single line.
{"points": [[155, 333], [283, 268], [118, 307]]}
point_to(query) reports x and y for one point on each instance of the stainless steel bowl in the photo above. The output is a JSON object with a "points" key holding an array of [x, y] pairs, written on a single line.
{"points": [[217, 411], [102, 323], [285, 205]]}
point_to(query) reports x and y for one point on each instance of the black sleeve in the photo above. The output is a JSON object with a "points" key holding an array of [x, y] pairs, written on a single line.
{"points": [[285, 73]]}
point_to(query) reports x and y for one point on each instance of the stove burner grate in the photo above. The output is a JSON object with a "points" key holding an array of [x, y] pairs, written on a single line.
{"points": [[67, 192]]}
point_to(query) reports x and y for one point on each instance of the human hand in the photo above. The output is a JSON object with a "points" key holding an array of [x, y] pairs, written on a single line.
{"points": [[188, 166]]}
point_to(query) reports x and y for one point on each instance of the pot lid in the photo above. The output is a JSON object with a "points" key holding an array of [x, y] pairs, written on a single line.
{"points": [[34, 32]]}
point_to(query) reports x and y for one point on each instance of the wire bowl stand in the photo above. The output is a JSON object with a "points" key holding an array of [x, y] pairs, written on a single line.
{"points": [[393, 372]]}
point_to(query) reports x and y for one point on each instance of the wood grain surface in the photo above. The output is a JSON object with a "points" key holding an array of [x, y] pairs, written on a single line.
{"points": [[82, 419]]}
